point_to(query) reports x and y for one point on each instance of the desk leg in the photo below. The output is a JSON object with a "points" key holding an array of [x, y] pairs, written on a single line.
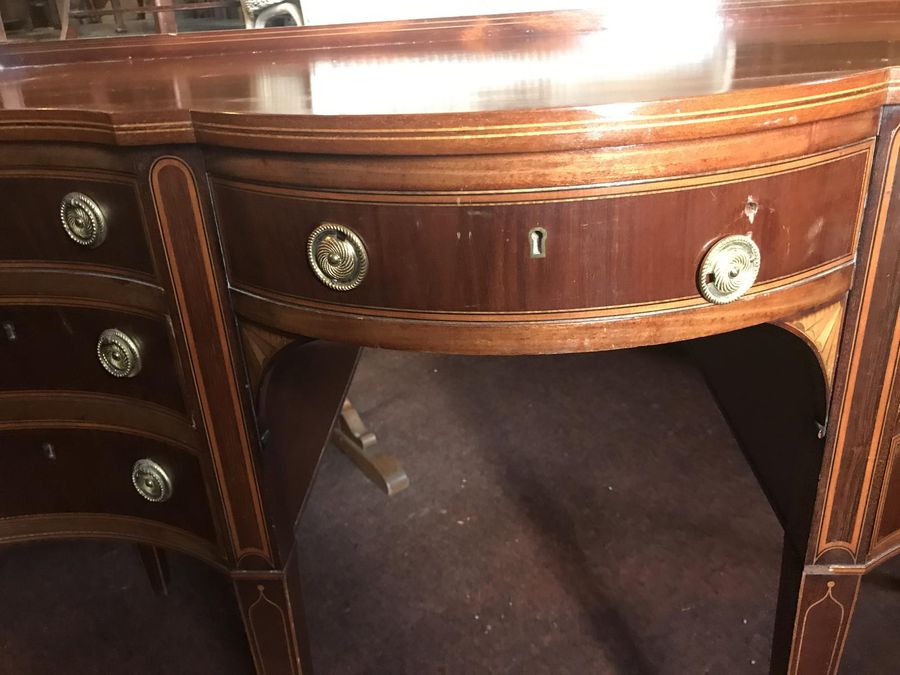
{"points": [[272, 610], [299, 399], [813, 618]]}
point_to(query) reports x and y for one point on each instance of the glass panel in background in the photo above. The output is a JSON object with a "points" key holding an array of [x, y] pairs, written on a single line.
{"points": [[30, 20], [33, 20]]}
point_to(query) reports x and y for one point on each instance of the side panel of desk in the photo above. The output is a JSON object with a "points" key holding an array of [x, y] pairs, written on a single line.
{"points": [[881, 477], [864, 406]]}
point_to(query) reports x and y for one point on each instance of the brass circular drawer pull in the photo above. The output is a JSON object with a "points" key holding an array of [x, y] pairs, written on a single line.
{"points": [[152, 481], [83, 219], [729, 269], [337, 256], [119, 353]]}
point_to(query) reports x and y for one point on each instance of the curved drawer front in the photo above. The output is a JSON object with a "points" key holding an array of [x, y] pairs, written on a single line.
{"points": [[57, 471], [44, 348], [604, 246], [32, 207]]}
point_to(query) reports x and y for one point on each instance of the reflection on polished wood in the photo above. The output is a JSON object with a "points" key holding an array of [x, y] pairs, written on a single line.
{"points": [[288, 88], [629, 146]]}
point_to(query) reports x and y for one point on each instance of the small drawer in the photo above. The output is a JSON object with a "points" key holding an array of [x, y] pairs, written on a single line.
{"points": [[88, 222], [79, 349], [536, 250], [49, 471]]}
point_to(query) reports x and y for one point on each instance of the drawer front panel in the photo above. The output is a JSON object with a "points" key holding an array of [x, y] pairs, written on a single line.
{"points": [[85, 471], [606, 250], [33, 231], [56, 348]]}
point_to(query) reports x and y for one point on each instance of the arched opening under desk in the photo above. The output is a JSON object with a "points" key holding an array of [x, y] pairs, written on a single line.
{"points": [[752, 373]]}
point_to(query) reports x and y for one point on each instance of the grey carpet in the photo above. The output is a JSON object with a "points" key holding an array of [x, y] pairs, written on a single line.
{"points": [[567, 515]]}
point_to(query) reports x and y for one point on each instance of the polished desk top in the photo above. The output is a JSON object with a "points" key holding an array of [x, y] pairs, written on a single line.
{"points": [[508, 83]]}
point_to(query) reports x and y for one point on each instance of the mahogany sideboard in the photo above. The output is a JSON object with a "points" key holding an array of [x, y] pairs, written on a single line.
{"points": [[199, 232]]}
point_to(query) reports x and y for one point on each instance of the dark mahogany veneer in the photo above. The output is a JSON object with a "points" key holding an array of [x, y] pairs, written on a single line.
{"points": [[214, 157], [607, 246], [32, 199]]}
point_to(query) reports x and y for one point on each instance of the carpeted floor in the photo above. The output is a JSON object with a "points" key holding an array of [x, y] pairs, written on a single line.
{"points": [[567, 515]]}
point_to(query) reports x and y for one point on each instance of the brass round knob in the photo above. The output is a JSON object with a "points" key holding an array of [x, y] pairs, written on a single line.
{"points": [[119, 353], [337, 256], [83, 219], [729, 269], [152, 481]]}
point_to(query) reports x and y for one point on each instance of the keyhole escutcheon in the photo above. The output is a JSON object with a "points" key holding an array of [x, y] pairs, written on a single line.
{"points": [[537, 242]]}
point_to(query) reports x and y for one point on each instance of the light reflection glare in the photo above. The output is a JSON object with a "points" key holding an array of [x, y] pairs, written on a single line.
{"points": [[320, 12], [646, 50]]}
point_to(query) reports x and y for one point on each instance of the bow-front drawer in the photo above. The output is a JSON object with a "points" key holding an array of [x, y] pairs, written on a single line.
{"points": [[699, 240], [82, 221], [68, 471], [90, 350]]}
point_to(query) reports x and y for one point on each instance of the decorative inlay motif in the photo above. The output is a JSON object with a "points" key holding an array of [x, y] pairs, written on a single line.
{"points": [[827, 604], [822, 329], [848, 539], [263, 616], [260, 345], [185, 238]]}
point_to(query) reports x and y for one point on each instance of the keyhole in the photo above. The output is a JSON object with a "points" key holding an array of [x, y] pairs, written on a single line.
{"points": [[49, 451], [9, 330], [537, 242], [750, 209]]}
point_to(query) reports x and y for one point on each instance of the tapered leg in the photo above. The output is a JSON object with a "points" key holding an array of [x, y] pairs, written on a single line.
{"points": [[825, 608], [300, 398], [157, 567], [272, 610], [812, 620]]}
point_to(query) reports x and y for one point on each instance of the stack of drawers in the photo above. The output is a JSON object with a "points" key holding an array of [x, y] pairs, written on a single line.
{"points": [[97, 431]]}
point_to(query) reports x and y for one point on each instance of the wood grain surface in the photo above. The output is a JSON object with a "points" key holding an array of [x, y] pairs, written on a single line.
{"points": [[443, 143], [753, 67], [606, 246]]}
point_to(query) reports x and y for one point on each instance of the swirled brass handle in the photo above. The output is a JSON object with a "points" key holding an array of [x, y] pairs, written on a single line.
{"points": [[337, 256], [119, 353], [83, 219], [729, 269], [151, 481]]}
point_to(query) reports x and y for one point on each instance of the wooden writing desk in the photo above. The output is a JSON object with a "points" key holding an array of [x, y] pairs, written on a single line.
{"points": [[200, 231]]}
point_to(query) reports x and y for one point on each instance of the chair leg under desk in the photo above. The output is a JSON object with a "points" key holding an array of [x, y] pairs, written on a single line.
{"points": [[380, 466]]}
